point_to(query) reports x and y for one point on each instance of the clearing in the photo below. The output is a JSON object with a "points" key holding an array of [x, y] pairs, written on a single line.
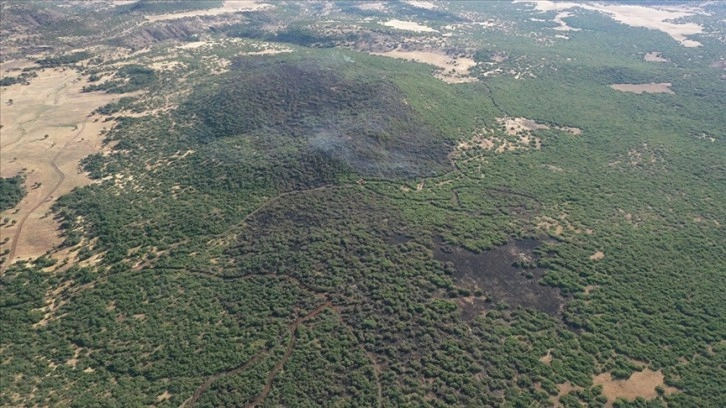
{"points": [[640, 384], [562, 25], [492, 272], [230, 6], [659, 18], [453, 70], [564, 389], [47, 129], [410, 26], [376, 6], [663, 87], [655, 56], [597, 256]]}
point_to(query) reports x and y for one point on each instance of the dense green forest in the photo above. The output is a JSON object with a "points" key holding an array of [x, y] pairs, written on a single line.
{"points": [[325, 227], [11, 191]]}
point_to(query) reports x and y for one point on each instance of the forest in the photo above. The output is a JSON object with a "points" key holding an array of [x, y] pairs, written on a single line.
{"points": [[12, 191], [320, 226]]}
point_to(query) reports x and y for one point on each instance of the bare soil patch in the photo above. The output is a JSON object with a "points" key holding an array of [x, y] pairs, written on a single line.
{"points": [[230, 6], [492, 272], [547, 358], [597, 256], [663, 87], [452, 69], [409, 26], [518, 136], [562, 24], [516, 126], [164, 396], [564, 389], [654, 56], [373, 6], [557, 226], [422, 4], [640, 384], [46, 132], [659, 18]]}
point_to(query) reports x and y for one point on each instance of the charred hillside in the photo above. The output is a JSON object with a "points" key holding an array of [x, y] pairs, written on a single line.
{"points": [[362, 121]]}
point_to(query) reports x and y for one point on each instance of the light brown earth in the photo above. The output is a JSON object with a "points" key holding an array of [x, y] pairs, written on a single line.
{"points": [[640, 384], [654, 56], [520, 132], [547, 358], [597, 256], [659, 18], [51, 105], [409, 25], [422, 4], [375, 6], [452, 70], [557, 226], [164, 396], [564, 389], [562, 24], [230, 6], [516, 126], [663, 87]]}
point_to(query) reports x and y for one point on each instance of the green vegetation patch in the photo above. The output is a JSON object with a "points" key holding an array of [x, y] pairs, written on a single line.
{"points": [[320, 107], [168, 6], [11, 191]]}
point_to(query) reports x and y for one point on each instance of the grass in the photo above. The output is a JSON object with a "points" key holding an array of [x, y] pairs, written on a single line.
{"points": [[242, 256]]}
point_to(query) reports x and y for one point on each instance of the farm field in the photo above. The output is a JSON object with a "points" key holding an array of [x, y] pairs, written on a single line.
{"points": [[369, 204]]}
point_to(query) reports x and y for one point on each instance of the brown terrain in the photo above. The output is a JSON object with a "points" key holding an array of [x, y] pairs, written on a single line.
{"points": [[493, 273], [453, 70], [659, 18], [664, 87], [654, 57], [640, 384], [47, 129]]}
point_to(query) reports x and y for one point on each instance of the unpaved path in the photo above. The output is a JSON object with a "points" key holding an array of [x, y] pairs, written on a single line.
{"points": [[376, 367], [208, 382], [46, 132], [290, 346], [47, 197]]}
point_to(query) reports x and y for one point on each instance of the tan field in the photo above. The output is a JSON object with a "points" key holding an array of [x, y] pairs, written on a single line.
{"points": [[409, 25], [598, 255], [453, 70], [422, 4], [640, 384], [230, 6], [652, 17], [46, 131], [564, 389], [664, 87], [516, 126], [562, 24], [654, 57], [377, 6]]}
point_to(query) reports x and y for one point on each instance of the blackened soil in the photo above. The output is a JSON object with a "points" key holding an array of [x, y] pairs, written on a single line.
{"points": [[494, 274]]}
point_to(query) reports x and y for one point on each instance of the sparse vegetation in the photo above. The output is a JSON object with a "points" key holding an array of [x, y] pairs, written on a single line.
{"points": [[328, 227], [11, 191]]}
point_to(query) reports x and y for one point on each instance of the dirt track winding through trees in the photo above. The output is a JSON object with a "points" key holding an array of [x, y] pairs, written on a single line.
{"points": [[47, 129], [292, 327], [208, 382], [290, 346], [48, 196]]}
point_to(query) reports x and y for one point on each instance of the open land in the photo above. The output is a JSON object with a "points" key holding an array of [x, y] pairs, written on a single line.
{"points": [[418, 203]]}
